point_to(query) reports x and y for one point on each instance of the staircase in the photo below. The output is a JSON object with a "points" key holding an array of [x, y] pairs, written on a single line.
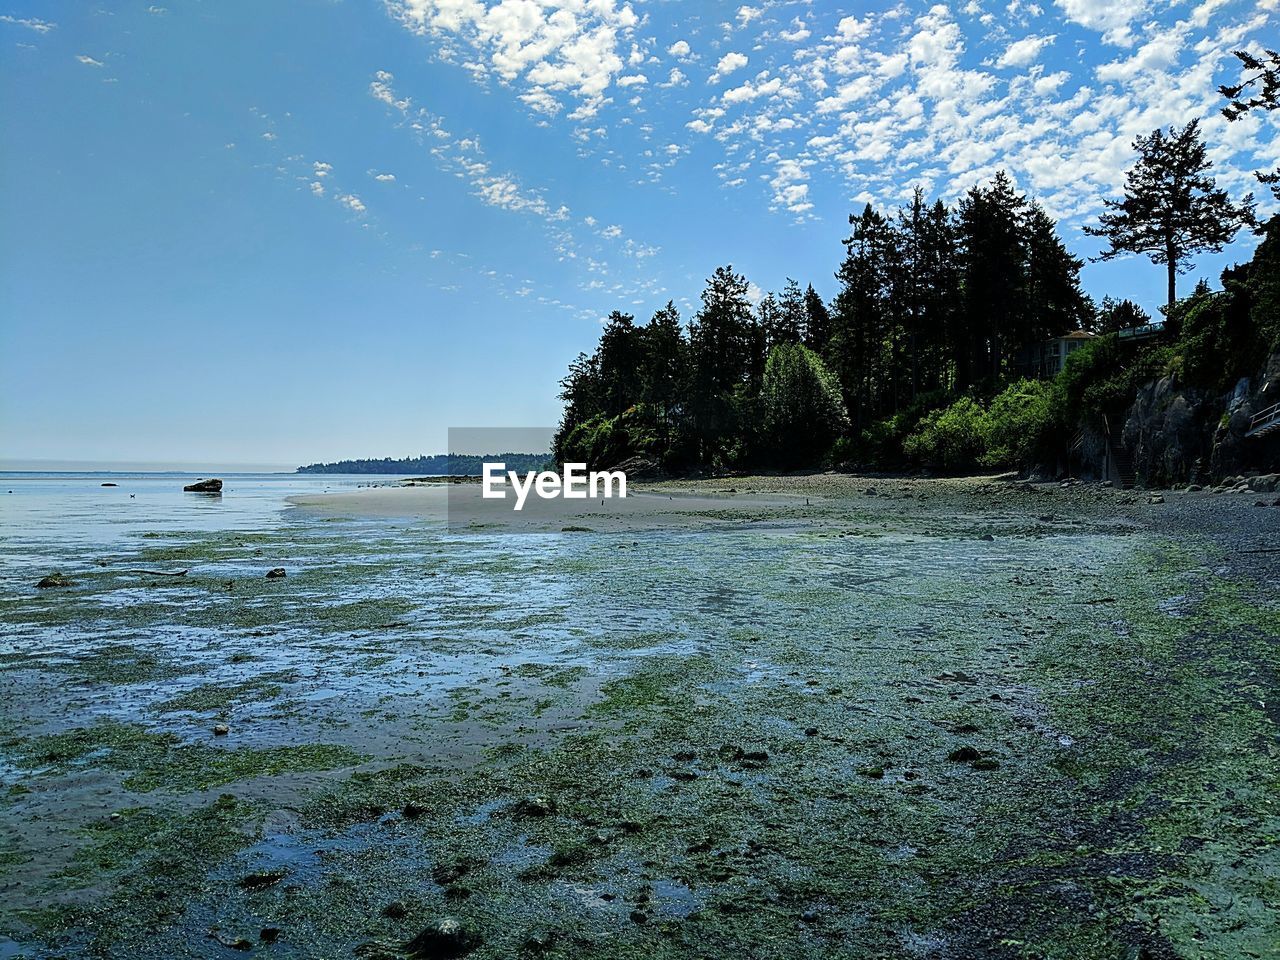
{"points": [[1124, 465], [1265, 422], [1120, 458]]}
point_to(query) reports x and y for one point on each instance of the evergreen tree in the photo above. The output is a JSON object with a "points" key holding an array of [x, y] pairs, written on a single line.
{"points": [[722, 346], [801, 407], [1116, 315], [618, 360], [860, 314], [1055, 302], [663, 371], [993, 264], [1172, 209], [1264, 93], [817, 321]]}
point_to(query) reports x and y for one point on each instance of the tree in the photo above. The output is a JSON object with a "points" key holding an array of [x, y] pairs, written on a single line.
{"points": [[723, 341], [663, 373], [800, 404], [817, 321], [860, 313], [1265, 93], [1172, 209], [990, 233], [1116, 315], [619, 361]]}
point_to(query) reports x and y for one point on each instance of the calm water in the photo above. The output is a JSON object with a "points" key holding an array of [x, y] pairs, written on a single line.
{"points": [[55, 516]]}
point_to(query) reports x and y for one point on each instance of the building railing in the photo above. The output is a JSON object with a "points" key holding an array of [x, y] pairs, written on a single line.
{"points": [[1264, 418]]}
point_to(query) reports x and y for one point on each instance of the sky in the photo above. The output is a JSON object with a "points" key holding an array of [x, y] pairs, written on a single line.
{"points": [[278, 233]]}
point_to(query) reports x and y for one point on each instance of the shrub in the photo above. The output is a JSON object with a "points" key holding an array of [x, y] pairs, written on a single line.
{"points": [[1019, 426], [951, 438]]}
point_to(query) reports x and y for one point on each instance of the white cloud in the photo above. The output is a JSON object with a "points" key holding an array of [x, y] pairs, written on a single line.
{"points": [[798, 32], [675, 78], [1108, 17], [1022, 52], [728, 64], [88, 61], [679, 49], [352, 203], [552, 47], [31, 23], [385, 177]]}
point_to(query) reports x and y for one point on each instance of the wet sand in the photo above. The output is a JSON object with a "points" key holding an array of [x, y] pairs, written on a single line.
{"points": [[907, 718]]}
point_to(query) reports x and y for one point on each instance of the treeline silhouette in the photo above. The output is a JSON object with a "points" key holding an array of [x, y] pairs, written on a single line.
{"points": [[435, 465], [927, 353]]}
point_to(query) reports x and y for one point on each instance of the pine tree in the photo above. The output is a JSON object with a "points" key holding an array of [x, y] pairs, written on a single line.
{"points": [[990, 236], [663, 371], [1264, 93], [1172, 209], [860, 314], [722, 347], [817, 321], [1055, 302]]}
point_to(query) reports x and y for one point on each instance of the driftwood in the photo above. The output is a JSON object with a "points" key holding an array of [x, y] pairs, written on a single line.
{"points": [[158, 573]]}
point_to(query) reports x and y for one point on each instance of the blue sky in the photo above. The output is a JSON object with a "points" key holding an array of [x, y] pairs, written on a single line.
{"points": [[292, 231]]}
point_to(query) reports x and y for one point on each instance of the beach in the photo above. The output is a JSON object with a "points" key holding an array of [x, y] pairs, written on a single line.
{"points": [[793, 716]]}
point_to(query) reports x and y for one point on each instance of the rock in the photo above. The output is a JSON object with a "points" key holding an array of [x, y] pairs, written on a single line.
{"points": [[811, 731], [261, 880], [54, 579], [276, 573], [965, 754], [810, 916], [221, 729], [755, 758], [1155, 498], [987, 538], [108, 484], [269, 934], [639, 916], [412, 811], [204, 486], [873, 773], [534, 807], [395, 910], [443, 941]]}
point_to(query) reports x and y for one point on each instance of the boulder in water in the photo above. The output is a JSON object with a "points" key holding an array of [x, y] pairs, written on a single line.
{"points": [[204, 486]]}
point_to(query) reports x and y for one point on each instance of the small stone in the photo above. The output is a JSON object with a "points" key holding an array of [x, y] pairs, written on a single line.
{"points": [[811, 731], [987, 537], [445, 940], [639, 916], [395, 910], [534, 807], [54, 579], [755, 758], [261, 880], [874, 773], [413, 810], [269, 934], [221, 729], [810, 916], [1155, 498], [965, 754], [276, 573], [116, 817]]}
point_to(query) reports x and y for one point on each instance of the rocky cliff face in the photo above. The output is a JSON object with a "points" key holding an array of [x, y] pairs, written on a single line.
{"points": [[1178, 434]]}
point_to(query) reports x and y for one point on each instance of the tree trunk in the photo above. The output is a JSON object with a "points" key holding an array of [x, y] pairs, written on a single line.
{"points": [[1173, 286]]}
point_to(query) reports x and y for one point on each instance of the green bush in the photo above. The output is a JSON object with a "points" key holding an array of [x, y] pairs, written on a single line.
{"points": [[950, 438], [1019, 427]]}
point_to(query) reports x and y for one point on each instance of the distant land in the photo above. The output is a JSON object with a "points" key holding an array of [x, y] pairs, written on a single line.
{"points": [[437, 465]]}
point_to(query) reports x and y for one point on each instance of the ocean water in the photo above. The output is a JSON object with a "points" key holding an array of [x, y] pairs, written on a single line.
{"points": [[53, 516]]}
